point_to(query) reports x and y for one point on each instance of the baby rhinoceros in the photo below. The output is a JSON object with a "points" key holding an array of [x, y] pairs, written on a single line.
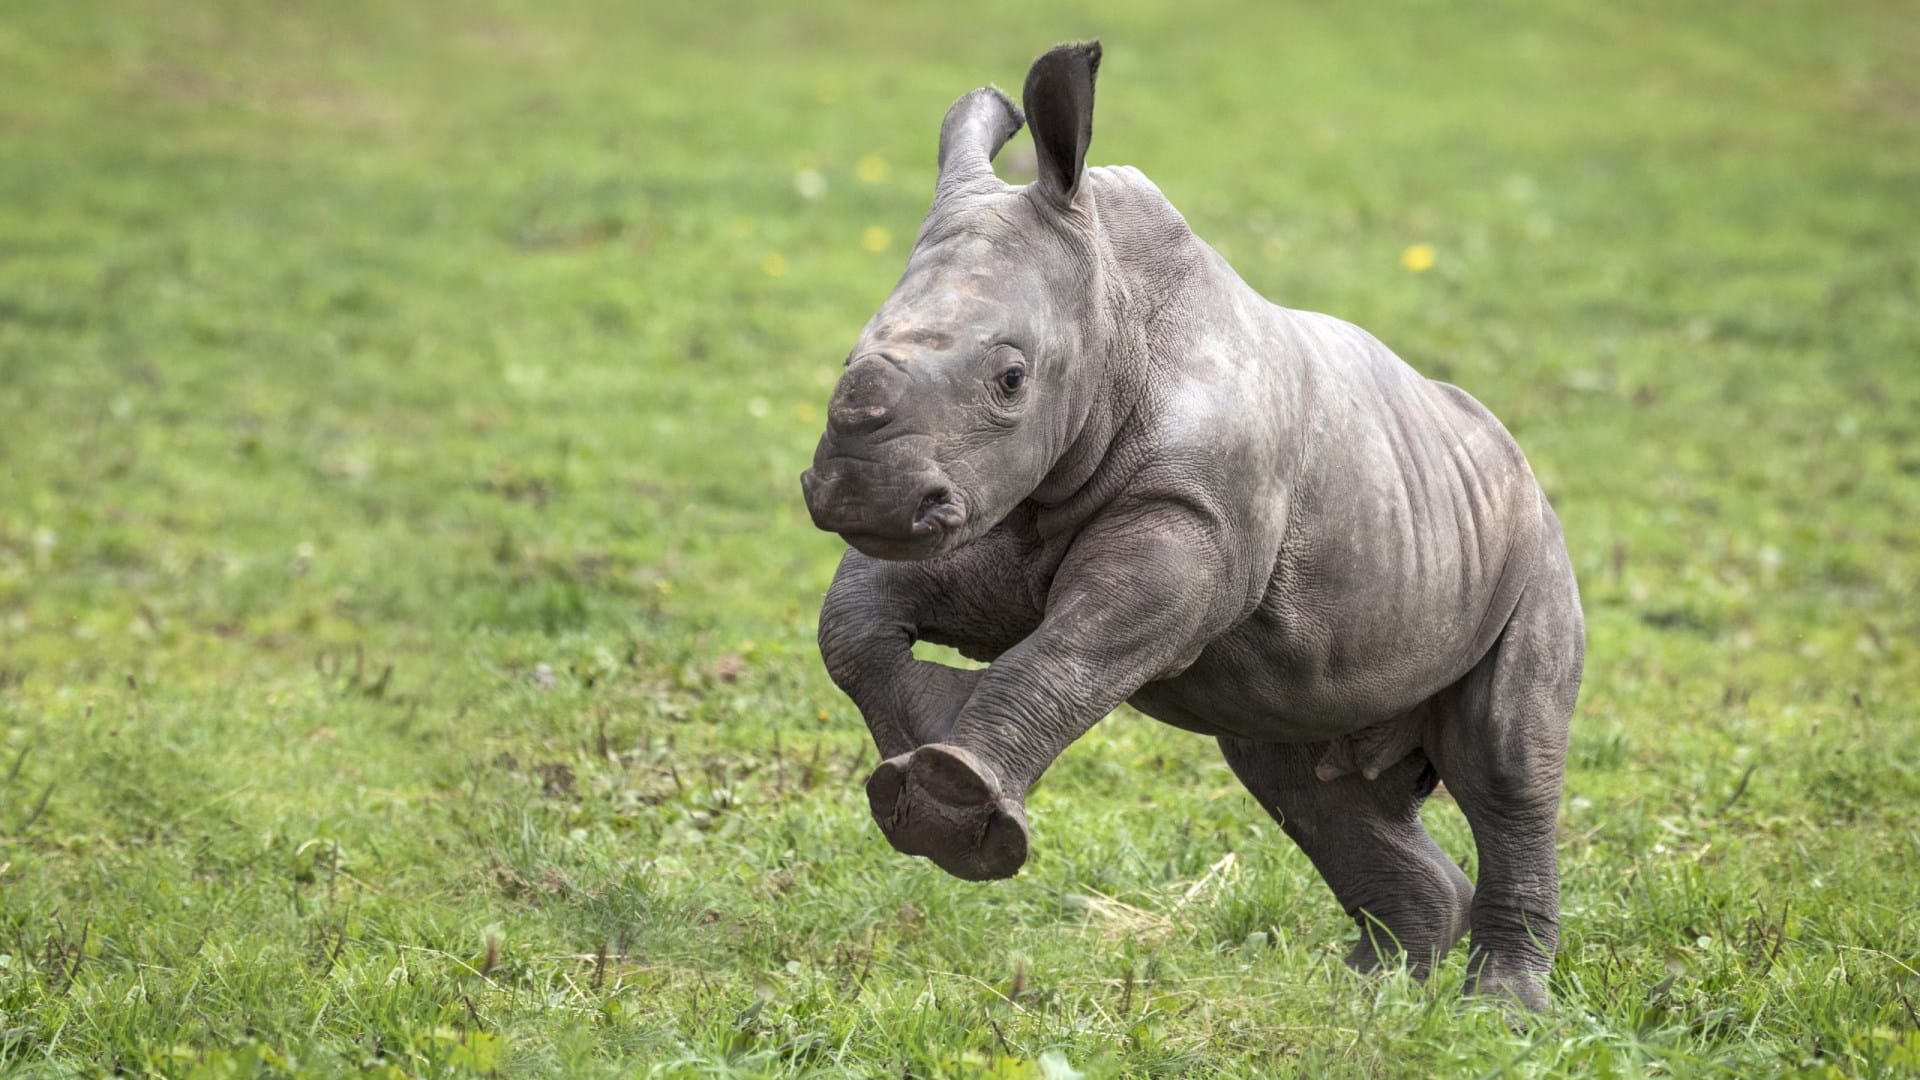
{"points": [[1075, 444]]}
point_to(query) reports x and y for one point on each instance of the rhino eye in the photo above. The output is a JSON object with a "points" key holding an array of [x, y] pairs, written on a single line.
{"points": [[1011, 378]]}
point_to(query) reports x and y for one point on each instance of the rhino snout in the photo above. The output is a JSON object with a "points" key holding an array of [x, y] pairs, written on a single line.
{"points": [[888, 518]]}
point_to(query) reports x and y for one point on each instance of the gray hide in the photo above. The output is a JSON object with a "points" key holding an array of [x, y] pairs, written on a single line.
{"points": [[1074, 443]]}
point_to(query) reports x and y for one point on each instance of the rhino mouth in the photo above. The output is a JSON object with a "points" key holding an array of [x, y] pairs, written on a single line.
{"points": [[917, 519], [896, 550], [936, 529]]}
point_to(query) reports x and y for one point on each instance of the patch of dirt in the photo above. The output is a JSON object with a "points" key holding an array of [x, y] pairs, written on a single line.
{"points": [[728, 668], [556, 778], [516, 886]]}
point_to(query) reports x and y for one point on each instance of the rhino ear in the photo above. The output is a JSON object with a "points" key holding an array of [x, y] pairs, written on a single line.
{"points": [[1059, 101]]}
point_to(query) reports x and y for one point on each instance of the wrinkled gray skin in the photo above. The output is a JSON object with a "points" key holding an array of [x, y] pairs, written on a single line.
{"points": [[1250, 522]]}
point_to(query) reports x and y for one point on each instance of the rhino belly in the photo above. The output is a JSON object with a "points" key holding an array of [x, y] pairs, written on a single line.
{"points": [[1239, 689], [1307, 666]]}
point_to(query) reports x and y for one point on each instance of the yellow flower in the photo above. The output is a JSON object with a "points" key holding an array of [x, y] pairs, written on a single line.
{"points": [[876, 239], [871, 169], [774, 264], [1417, 258]]}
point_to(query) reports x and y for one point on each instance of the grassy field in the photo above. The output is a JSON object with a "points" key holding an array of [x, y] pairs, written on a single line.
{"points": [[406, 602]]}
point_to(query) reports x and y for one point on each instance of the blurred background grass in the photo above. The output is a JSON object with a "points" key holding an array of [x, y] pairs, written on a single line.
{"points": [[400, 548]]}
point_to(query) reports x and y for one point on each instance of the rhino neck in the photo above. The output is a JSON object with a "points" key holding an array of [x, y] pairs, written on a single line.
{"points": [[1147, 269], [1187, 350]]}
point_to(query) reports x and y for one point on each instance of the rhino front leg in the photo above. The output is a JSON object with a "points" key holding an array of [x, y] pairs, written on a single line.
{"points": [[873, 614], [1132, 603]]}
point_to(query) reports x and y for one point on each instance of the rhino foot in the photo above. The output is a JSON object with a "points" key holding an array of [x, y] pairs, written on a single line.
{"points": [[1521, 993], [942, 802]]}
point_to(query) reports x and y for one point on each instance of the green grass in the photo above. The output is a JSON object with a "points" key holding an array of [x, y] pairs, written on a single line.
{"points": [[406, 603]]}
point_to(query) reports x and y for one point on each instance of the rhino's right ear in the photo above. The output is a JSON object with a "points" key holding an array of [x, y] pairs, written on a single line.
{"points": [[1059, 100]]}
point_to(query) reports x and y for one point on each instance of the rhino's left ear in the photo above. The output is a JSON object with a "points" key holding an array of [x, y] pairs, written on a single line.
{"points": [[1059, 104]]}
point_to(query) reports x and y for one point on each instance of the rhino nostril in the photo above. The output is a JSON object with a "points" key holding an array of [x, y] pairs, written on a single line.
{"points": [[937, 510]]}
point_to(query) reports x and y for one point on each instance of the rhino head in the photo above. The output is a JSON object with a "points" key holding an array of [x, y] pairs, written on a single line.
{"points": [[967, 390]]}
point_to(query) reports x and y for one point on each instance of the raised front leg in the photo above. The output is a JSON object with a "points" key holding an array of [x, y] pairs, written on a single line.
{"points": [[1136, 600], [978, 596], [868, 625]]}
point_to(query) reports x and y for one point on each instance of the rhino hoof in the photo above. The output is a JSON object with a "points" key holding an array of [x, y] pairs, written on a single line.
{"points": [[943, 803], [1520, 994]]}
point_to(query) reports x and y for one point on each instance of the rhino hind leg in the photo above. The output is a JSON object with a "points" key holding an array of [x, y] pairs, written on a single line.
{"points": [[1501, 748], [1365, 838]]}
